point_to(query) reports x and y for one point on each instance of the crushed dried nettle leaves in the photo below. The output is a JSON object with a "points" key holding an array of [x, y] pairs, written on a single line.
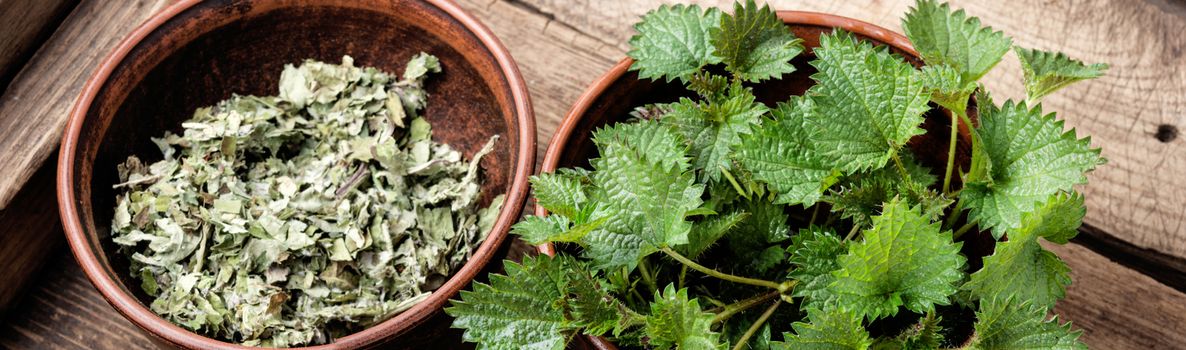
{"points": [[295, 219]]}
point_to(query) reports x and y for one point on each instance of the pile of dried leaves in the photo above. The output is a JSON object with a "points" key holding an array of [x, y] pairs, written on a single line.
{"points": [[294, 219]]}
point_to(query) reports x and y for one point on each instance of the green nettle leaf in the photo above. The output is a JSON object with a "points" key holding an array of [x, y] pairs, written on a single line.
{"points": [[1046, 72], [754, 44], [644, 185], [1020, 267], [539, 304], [708, 85], [1032, 159], [904, 260], [869, 102], [954, 39], [715, 128], [706, 233], [859, 197], [813, 252], [980, 169], [946, 87], [781, 153], [673, 42], [834, 329], [535, 232], [559, 193], [925, 335], [517, 310], [759, 235], [1010, 324], [677, 322], [591, 307], [540, 230]]}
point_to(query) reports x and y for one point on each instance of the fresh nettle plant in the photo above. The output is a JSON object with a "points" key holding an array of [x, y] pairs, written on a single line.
{"points": [[845, 239]]}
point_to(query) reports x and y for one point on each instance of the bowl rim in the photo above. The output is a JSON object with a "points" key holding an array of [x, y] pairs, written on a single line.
{"points": [[560, 138], [132, 309]]}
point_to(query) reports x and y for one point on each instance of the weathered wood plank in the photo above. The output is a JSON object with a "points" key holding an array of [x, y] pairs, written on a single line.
{"points": [[557, 61], [1117, 307], [1140, 196], [33, 110], [65, 311], [26, 24], [29, 232]]}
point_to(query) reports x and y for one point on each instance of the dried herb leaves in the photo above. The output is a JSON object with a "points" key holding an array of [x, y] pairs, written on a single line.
{"points": [[294, 219]]}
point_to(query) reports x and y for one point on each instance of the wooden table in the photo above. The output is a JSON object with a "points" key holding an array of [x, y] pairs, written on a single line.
{"points": [[1128, 265]]}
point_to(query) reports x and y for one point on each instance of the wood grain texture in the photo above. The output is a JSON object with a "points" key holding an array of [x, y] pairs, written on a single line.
{"points": [[560, 52], [26, 24], [33, 110], [1140, 196], [29, 232], [1117, 307], [65, 311]]}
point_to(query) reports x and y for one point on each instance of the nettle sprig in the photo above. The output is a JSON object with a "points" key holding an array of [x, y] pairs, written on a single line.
{"points": [[717, 221]]}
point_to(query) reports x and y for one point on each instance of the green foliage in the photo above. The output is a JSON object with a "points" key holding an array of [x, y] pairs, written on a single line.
{"points": [[760, 235], [562, 194], [815, 202], [924, 335], [813, 253], [1032, 158], [1010, 324], [904, 260], [947, 87], [834, 329], [714, 128], [1046, 72], [643, 183], [1021, 267], [953, 39], [673, 42], [868, 102], [706, 233], [781, 154], [536, 305], [859, 197], [677, 322], [754, 44]]}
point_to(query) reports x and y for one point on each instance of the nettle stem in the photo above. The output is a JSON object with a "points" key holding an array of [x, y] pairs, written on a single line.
{"points": [[644, 269], [963, 230], [781, 287], [853, 232], [955, 214], [732, 309], [901, 167], [955, 129], [753, 329]]}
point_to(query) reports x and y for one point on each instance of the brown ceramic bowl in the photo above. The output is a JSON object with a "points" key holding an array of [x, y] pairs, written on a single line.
{"points": [[197, 53], [615, 94]]}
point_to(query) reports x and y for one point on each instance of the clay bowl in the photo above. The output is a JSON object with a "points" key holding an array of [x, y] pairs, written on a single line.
{"points": [[610, 99], [196, 53]]}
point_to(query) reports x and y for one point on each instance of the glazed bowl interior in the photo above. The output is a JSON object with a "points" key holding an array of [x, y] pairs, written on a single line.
{"points": [[195, 54]]}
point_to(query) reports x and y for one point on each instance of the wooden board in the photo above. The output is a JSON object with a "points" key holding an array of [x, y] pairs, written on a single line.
{"points": [[33, 110], [560, 52], [26, 24], [29, 233], [1139, 197]]}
